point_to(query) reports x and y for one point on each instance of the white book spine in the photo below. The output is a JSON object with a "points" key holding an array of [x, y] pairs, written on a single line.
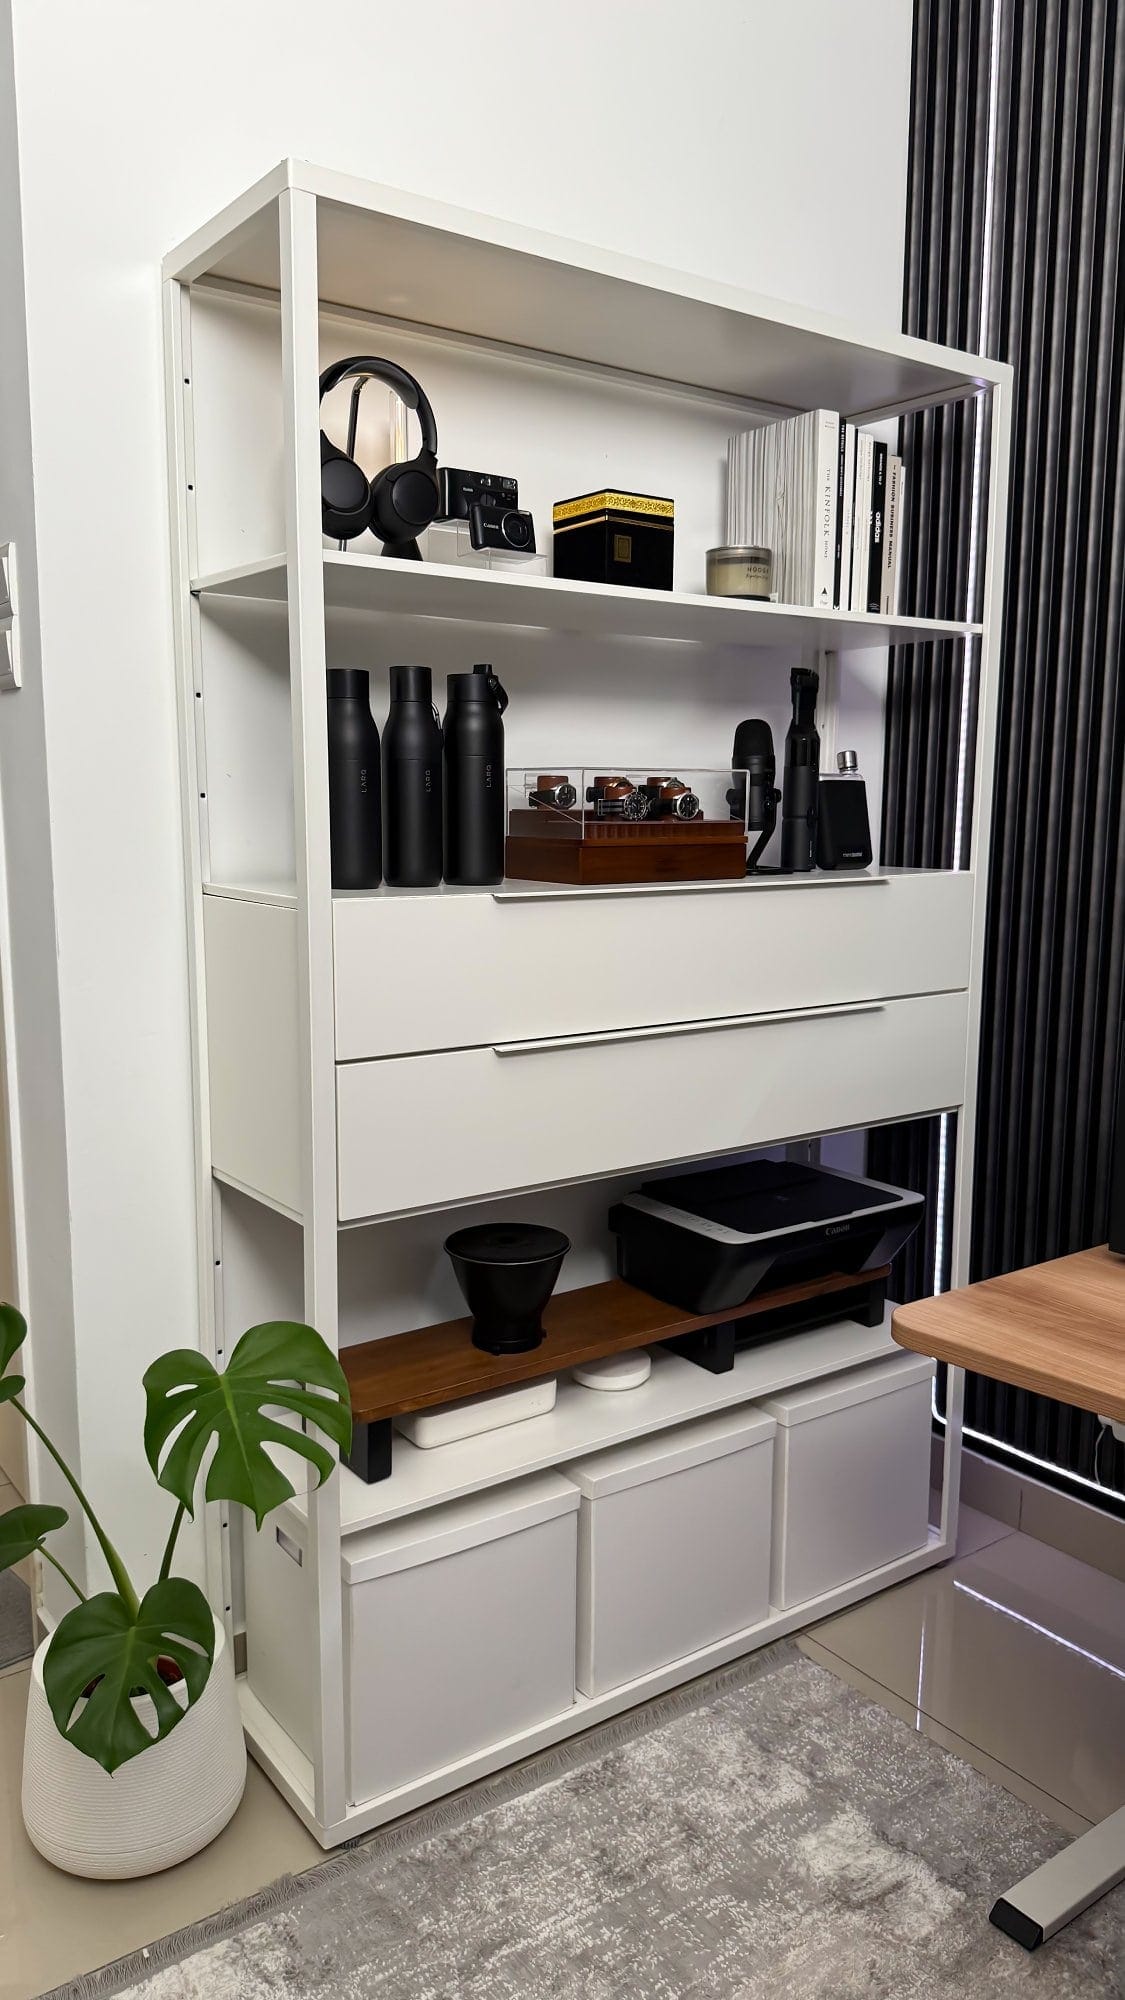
{"points": [[850, 435], [782, 492], [861, 519], [890, 534], [900, 503], [826, 473]]}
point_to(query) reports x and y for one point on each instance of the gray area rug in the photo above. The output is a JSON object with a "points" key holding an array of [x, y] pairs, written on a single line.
{"points": [[765, 1833], [16, 1634]]}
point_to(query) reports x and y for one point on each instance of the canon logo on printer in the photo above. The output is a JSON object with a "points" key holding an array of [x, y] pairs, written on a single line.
{"points": [[837, 1228]]}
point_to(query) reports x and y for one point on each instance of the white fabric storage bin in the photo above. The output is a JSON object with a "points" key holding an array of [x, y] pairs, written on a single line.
{"points": [[458, 1630], [851, 1475], [673, 1545]]}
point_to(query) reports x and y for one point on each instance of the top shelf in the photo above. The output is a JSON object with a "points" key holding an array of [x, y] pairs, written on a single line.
{"points": [[383, 251], [389, 587]]}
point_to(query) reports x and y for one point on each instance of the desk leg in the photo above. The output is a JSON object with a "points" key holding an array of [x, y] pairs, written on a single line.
{"points": [[1065, 1886]]}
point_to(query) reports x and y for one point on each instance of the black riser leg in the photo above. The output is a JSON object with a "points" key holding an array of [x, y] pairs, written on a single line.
{"points": [[370, 1455]]}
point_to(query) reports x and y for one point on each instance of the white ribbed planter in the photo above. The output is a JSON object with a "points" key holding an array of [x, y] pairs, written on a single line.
{"points": [[157, 1809]]}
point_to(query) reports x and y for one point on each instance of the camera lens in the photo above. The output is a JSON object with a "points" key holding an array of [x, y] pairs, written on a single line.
{"points": [[516, 530]]}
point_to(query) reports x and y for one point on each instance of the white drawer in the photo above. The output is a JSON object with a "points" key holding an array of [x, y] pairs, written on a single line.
{"points": [[428, 1130], [455, 970]]}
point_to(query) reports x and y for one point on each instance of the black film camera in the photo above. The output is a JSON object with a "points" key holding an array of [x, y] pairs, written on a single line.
{"points": [[490, 503]]}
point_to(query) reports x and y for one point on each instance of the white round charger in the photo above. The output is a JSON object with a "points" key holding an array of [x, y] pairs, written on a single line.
{"points": [[617, 1371]]}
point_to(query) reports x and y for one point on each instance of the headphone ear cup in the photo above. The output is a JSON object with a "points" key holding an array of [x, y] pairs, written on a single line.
{"points": [[404, 499], [345, 494]]}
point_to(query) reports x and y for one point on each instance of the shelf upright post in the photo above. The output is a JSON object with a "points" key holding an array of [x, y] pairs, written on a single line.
{"points": [[179, 403], [300, 365], [987, 707]]}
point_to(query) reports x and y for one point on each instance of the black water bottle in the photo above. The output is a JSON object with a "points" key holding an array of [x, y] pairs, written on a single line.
{"points": [[355, 825], [412, 782], [474, 778]]}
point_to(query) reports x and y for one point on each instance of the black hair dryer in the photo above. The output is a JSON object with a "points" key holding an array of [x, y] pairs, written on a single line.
{"points": [[801, 777]]}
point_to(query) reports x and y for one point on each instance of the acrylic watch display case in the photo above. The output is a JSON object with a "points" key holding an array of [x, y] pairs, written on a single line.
{"points": [[600, 825]]}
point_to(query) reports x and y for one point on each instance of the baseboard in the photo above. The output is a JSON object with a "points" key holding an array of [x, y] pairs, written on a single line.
{"points": [[1061, 1520]]}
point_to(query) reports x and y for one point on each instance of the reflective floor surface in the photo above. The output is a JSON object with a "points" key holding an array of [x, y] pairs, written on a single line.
{"points": [[1012, 1656]]}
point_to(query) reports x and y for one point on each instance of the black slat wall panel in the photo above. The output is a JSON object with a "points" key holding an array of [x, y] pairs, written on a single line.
{"points": [[1026, 261]]}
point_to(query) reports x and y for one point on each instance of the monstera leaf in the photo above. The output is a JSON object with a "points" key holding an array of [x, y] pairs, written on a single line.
{"points": [[190, 1403], [13, 1333], [102, 1655], [22, 1531]]}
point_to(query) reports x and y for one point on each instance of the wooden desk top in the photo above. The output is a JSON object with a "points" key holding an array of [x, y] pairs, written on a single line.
{"points": [[1056, 1328]]}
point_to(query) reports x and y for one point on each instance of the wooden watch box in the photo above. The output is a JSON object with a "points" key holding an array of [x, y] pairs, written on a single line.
{"points": [[622, 851]]}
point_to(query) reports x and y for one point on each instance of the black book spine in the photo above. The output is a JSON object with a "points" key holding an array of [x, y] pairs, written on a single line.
{"points": [[878, 510], [840, 512]]}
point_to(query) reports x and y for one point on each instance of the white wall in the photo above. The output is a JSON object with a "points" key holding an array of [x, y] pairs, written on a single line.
{"points": [[41, 1279], [765, 145]]}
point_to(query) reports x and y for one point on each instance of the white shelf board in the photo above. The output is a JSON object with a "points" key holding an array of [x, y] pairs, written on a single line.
{"points": [[387, 587], [278, 891], [382, 250], [587, 1420], [512, 890]]}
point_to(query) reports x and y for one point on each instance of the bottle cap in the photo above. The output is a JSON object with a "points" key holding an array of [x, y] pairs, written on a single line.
{"points": [[492, 682], [469, 687], [412, 684], [349, 684], [846, 760]]}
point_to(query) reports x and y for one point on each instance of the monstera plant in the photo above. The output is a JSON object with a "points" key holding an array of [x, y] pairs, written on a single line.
{"points": [[117, 1645]]}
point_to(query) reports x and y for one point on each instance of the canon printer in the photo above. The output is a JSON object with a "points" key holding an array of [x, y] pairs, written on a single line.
{"points": [[710, 1240]]}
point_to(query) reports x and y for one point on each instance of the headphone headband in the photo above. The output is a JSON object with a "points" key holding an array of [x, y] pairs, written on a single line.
{"points": [[404, 385]]}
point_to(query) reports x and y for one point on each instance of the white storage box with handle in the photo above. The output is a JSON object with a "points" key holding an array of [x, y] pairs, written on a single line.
{"points": [[458, 1629], [673, 1545], [851, 1475]]}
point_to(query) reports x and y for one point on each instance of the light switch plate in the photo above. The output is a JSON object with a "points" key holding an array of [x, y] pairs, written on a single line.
{"points": [[9, 621]]}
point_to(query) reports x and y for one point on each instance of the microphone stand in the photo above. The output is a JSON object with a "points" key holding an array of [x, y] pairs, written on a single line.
{"points": [[768, 825]]}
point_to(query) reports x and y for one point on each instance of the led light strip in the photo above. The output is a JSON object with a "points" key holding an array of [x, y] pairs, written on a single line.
{"points": [[1026, 1457], [1044, 1631]]}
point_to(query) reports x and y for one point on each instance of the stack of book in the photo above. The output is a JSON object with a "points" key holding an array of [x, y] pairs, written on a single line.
{"points": [[826, 499]]}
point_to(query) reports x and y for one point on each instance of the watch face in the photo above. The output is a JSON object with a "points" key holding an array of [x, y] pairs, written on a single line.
{"points": [[686, 806], [565, 796], [635, 805]]}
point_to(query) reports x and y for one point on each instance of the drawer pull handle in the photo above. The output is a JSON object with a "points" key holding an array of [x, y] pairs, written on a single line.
{"points": [[557, 892], [681, 1028]]}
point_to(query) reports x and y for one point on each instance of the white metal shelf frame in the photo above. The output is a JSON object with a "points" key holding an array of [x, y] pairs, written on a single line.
{"points": [[317, 239]]}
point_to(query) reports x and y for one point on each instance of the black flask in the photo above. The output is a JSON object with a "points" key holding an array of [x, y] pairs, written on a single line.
{"points": [[474, 778], [355, 826], [412, 782], [843, 827]]}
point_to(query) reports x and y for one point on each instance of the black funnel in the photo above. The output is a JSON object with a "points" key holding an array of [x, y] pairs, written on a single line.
{"points": [[507, 1272]]}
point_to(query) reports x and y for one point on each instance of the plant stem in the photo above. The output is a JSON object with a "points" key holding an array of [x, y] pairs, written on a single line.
{"points": [[166, 1562], [117, 1569], [64, 1573]]}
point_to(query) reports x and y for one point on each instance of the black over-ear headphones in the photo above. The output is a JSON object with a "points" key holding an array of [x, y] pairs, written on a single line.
{"points": [[400, 501]]}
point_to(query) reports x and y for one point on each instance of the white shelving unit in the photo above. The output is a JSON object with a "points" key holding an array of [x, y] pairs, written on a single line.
{"points": [[368, 1065]]}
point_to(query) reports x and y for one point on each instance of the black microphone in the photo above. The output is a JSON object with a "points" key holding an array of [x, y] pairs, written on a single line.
{"points": [[801, 776], [756, 794]]}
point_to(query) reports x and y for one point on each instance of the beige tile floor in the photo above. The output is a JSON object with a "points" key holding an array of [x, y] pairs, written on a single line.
{"points": [[1012, 1656], [53, 1927]]}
